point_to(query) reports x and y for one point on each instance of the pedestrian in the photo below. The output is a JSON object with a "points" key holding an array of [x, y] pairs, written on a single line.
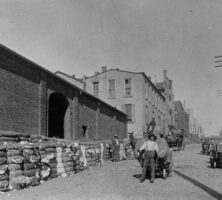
{"points": [[150, 148], [116, 148], [151, 126]]}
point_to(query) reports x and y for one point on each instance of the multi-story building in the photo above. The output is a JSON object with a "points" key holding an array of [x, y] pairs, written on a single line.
{"points": [[132, 92], [181, 118], [166, 89]]}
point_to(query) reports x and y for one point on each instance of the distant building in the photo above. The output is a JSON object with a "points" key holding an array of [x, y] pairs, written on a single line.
{"points": [[166, 88], [181, 118], [132, 92]]}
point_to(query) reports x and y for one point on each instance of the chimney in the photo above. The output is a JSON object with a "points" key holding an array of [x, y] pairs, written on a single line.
{"points": [[83, 79], [149, 77], [117, 68], [74, 76], [165, 74], [104, 68]]}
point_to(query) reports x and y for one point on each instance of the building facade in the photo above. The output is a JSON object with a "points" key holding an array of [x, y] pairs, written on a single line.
{"points": [[181, 118], [166, 88], [36, 101], [131, 92]]}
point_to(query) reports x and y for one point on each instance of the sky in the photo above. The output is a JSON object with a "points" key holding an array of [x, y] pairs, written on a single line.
{"points": [[79, 36]]}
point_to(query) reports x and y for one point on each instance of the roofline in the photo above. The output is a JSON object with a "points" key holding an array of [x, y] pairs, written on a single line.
{"points": [[63, 73], [158, 91], [57, 77], [142, 73], [119, 70]]}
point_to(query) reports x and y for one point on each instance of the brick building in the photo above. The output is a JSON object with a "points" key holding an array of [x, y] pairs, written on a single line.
{"points": [[166, 88], [181, 118], [36, 101], [133, 93]]}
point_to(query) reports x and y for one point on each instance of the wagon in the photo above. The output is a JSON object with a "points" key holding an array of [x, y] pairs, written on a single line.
{"points": [[168, 164], [216, 156]]}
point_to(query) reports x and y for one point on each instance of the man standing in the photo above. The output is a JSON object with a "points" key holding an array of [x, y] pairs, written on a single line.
{"points": [[151, 150], [151, 126], [116, 148]]}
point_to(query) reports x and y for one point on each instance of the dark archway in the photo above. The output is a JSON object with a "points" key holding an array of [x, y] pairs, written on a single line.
{"points": [[58, 106]]}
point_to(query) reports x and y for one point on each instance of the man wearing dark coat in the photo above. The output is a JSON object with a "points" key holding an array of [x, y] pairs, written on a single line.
{"points": [[116, 148]]}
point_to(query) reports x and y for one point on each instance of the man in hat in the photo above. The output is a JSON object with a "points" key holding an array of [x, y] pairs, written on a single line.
{"points": [[116, 148], [151, 150]]}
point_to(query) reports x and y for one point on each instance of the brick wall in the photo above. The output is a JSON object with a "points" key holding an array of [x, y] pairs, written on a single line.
{"points": [[25, 88], [19, 103], [106, 123], [87, 116]]}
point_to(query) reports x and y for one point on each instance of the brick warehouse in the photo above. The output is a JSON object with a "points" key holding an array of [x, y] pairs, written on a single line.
{"points": [[36, 101]]}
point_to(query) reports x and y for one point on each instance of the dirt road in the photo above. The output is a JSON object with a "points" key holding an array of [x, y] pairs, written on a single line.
{"points": [[193, 179]]}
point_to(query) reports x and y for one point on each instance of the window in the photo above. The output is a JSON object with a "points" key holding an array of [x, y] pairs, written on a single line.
{"points": [[111, 88], [96, 89], [128, 87], [129, 109]]}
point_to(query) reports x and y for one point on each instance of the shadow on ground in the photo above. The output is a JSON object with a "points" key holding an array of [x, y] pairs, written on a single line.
{"points": [[207, 189], [137, 176]]}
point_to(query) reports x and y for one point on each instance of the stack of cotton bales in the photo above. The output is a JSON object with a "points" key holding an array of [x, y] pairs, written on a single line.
{"points": [[48, 160], [64, 160], [78, 159], [93, 154], [15, 165], [128, 150], [106, 152], [4, 172], [31, 164]]}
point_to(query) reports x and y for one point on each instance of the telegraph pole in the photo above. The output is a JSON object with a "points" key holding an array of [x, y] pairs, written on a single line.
{"points": [[218, 63]]}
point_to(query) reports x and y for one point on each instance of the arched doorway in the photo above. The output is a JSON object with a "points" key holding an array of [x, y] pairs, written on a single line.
{"points": [[58, 106]]}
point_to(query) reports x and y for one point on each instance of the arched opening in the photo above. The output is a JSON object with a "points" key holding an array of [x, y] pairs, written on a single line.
{"points": [[58, 106]]}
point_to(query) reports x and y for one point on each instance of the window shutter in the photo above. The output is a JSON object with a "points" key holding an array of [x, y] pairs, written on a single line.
{"points": [[133, 113]]}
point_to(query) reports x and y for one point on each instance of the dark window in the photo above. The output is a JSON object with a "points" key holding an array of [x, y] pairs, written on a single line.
{"points": [[96, 89], [128, 87]]}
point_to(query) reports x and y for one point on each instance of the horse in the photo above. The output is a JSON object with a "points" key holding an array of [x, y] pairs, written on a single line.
{"points": [[133, 140]]}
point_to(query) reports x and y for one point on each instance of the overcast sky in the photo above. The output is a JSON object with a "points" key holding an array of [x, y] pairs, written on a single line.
{"points": [[80, 36]]}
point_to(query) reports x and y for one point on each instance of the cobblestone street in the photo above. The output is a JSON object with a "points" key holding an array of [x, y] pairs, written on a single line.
{"points": [[192, 179]]}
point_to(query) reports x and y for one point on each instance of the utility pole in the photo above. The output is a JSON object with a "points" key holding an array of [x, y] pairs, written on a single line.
{"points": [[218, 62]]}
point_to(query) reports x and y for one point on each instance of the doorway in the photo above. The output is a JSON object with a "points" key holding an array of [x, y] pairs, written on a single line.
{"points": [[58, 105]]}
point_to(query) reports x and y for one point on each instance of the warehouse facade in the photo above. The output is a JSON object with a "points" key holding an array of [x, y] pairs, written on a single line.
{"points": [[133, 93], [36, 101]]}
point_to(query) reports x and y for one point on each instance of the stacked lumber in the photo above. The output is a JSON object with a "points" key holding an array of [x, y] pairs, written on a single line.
{"points": [[4, 172]]}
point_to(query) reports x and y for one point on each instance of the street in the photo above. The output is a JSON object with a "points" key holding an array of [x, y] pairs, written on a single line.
{"points": [[192, 179]]}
